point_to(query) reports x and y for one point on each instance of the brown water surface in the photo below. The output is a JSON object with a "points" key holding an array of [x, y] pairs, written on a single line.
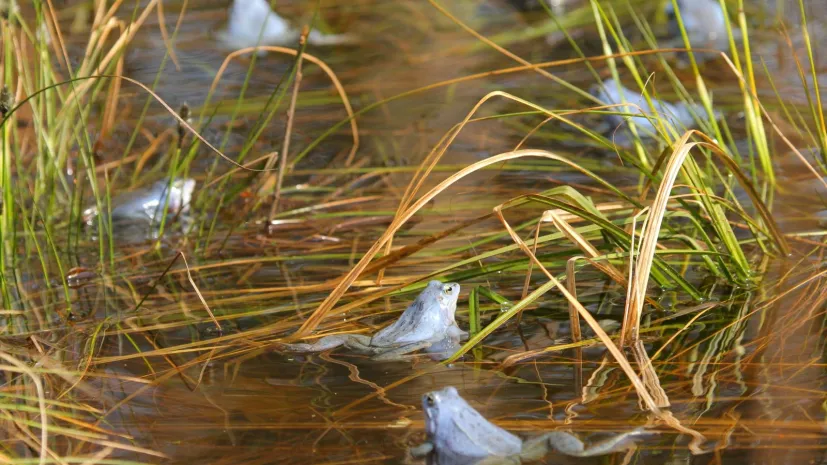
{"points": [[749, 374]]}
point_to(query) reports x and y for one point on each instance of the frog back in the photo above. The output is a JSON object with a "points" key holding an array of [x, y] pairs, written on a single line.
{"points": [[422, 321], [148, 203]]}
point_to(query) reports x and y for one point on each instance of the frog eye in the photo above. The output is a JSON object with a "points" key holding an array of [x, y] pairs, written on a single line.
{"points": [[430, 400], [447, 288]]}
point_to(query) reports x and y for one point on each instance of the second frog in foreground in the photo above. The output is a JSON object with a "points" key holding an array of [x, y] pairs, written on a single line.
{"points": [[428, 323], [458, 435]]}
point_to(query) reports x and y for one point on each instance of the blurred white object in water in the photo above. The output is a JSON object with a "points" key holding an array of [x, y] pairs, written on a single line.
{"points": [[147, 204], [8, 8], [252, 23], [679, 114], [44, 34], [704, 22]]}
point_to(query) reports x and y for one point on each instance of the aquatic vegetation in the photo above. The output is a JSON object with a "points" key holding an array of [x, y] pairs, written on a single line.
{"points": [[337, 184]]}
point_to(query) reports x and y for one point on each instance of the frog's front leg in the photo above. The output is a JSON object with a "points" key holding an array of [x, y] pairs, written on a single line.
{"points": [[421, 451], [400, 352], [457, 334]]}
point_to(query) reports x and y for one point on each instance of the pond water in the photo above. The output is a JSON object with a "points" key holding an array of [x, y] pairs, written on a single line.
{"points": [[748, 371]]}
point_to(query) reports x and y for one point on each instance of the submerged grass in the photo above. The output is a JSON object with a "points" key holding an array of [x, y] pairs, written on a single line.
{"points": [[268, 262]]}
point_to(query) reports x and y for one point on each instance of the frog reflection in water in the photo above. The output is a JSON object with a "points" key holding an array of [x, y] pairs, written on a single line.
{"points": [[428, 323], [458, 435]]}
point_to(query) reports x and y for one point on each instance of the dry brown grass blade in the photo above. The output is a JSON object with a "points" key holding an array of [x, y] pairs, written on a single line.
{"points": [[99, 34], [98, 456], [100, 11], [102, 14], [628, 321], [149, 337], [111, 105], [41, 400], [75, 382], [334, 204], [115, 50], [291, 113], [585, 246], [321, 64], [232, 171], [142, 158], [59, 45], [520, 357], [562, 215], [527, 280], [650, 378], [201, 297], [420, 175], [124, 447], [162, 25], [571, 285]]}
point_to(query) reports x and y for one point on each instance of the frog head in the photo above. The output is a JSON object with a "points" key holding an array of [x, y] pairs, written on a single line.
{"points": [[447, 297], [459, 434], [437, 408]]}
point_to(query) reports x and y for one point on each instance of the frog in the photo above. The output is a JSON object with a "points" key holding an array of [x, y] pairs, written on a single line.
{"points": [[253, 22], [147, 204], [428, 323], [457, 434], [680, 114], [704, 22]]}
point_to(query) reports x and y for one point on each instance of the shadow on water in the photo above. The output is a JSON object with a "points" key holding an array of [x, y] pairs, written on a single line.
{"points": [[744, 366]]}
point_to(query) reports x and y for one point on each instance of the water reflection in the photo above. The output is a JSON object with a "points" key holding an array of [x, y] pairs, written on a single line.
{"points": [[748, 374]]}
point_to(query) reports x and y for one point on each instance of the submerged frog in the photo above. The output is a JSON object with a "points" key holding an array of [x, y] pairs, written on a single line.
{"points": [[679, 114], [428, 323], [458, 435], [147, 204]]}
